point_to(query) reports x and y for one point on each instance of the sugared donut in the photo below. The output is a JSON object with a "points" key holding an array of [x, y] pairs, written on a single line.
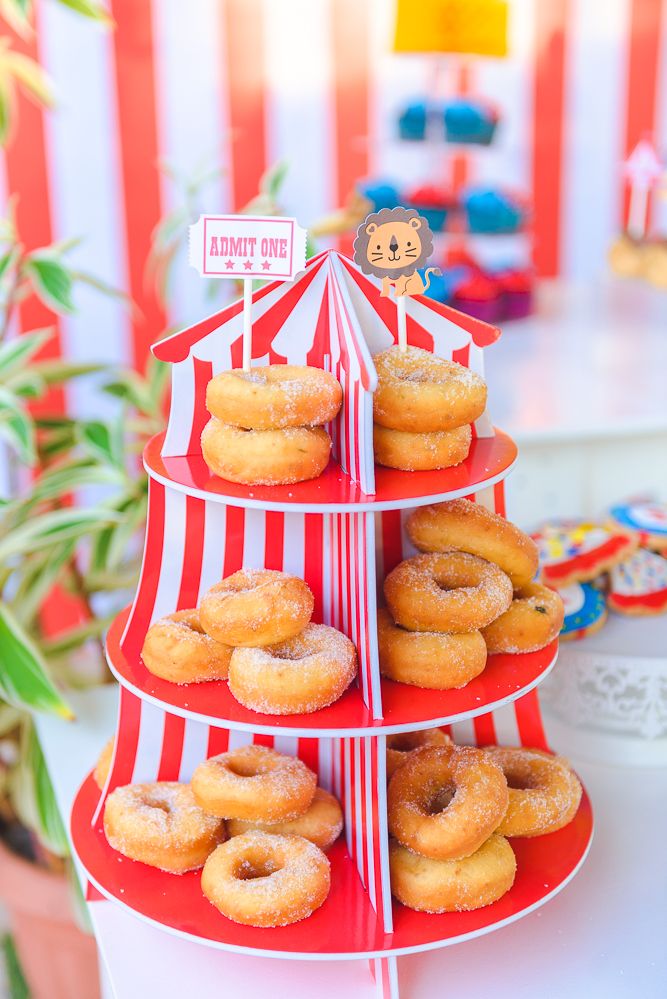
{"points": [[301, 675], [544, 792], [265, 457], [264, 880], [449, 592], [162, 825], [274, 397], [321, 823], [255, 607], [420, 392], [444, 802], [429, 885], [427, 658], [101, 771], [400, 746], [420, 452], [177, 648], [472, 528], [254, 782], [534, 619]]}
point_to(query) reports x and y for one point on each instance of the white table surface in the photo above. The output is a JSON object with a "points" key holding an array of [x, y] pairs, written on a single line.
{"points": [[602, 938], [590, 363]]}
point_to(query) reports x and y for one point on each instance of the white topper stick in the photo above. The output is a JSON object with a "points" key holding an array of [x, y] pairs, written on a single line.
{"points": [[637, 211], [247, 323], [402, 322]]}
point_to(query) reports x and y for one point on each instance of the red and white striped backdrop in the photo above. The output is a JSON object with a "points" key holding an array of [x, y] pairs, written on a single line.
{"points": [[254, 81]]}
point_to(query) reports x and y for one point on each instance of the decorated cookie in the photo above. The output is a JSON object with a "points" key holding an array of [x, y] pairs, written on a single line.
{"points": [[638, 585], [648, 519], [585, 610], [577, 552]]}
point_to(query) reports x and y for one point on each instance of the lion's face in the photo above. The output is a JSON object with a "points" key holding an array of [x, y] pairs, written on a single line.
{"points": [[394, 245]]}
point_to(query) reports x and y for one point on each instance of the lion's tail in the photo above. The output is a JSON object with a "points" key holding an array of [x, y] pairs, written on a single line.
{"points": [[429, 271]]}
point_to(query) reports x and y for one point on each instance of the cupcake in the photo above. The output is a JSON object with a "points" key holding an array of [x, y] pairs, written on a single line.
{"points": [[492, 211], [432, 202], [470, 121], [516, 287], [412, 122], [479, 295]]}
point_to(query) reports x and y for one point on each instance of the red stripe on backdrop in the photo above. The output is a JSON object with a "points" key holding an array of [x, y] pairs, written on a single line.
{"points": [[172, 748], [485, 730], [244, 58], [392, 540], [529, 721], [308, 751], [461, 161], [195, 518], [551, 21], [233, 540], [273, 543], [203, 372], [350, 31], [499, 499], [644, 38], [150, 573], [313, 560], [218, 741], [129, 723], [135, 90]]}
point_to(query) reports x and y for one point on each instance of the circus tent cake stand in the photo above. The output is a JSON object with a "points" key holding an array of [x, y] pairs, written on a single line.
{"points": [[342, 534]]}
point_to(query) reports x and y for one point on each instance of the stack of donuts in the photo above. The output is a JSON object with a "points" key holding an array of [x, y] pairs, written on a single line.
{"points": [[470, 594], [451, 809], [253, 818], [266, 425], [254, 629], [423, 407]]}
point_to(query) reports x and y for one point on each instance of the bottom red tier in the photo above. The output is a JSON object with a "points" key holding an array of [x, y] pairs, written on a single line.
{"points": [[346, 925]]}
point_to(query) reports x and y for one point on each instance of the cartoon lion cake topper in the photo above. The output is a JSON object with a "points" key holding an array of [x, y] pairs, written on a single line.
{"points": [[392, 244]]}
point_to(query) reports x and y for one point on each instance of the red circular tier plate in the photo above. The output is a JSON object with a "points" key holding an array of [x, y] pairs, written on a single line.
{"points": [[489, 461], [346, 925], [505, 678]]}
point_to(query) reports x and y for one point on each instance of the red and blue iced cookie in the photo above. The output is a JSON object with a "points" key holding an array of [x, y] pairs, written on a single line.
{"points": [[585, 610], [577, 552], [647, 519], [639, 584]]}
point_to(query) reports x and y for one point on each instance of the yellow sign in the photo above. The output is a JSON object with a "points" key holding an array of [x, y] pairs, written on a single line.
{"points": [[476, 27]]}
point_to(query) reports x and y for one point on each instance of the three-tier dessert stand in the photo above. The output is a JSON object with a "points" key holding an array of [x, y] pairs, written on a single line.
{"points": [[342, 533]]}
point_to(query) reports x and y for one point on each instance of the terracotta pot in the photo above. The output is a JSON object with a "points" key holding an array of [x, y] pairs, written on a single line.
{"points": [[58, 960]]}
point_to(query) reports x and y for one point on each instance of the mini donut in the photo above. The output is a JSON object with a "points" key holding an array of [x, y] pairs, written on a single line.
{"points": [[534, 619], [429, 885], [101, 771], [427, 658], [274, 397], [470, 527], [544, 792], [178, 649], [261, 879], [161, 825], [403, 744], [421, 452], [256, 607], [449, 591], [295, 677], [444, 802], [265, 457], [420, 392], [321, 823], [256, 783]]}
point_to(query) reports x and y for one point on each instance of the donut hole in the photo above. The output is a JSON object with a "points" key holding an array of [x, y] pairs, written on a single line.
{"points": [[244, 768], [255, 868], [520, 782], [441, 800]]}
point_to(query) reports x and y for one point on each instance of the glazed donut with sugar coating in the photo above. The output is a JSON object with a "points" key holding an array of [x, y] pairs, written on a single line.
{"points": [[429, 885], [422, 393], [544, 791], [255, 783], [533, 620], [298, 676], [176, 648], [161, 824], [321, 823], [103, 765], [444, 802], [261, 879], [255, 607], [428, 659], [265, 457], [274, 397], [471, 528], [401, 745], [447, 592], [421, 452]]}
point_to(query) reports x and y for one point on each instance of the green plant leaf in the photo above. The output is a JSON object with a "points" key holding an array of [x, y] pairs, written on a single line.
{"points": [[71, 475], [56, 372], [74, 638], [54, 528], [106, 289], [7, 104], [90, 9], [30, 75], [102, 441], [18, 987], [272, 181], [27, 384], [39, 573], [24, 679], [50, 828], [16, 426], [15, 354], [51, 280]]}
